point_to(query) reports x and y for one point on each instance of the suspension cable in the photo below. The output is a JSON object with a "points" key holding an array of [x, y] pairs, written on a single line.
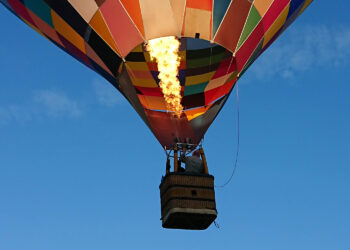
{"points": [[237, 150]]}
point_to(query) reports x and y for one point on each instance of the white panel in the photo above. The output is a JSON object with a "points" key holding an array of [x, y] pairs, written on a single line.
{"points": [[197, 21], [86, 8], [179, 11], [158, 19]]}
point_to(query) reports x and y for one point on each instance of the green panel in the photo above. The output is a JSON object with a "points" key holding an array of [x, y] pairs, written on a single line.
{"points": [[195, 89], [41, 9], [232, 76], [220, 8], [252, 20], [200, 62]]}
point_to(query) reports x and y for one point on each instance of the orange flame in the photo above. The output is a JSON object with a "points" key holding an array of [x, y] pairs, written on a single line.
{"points": [[165, 51]]}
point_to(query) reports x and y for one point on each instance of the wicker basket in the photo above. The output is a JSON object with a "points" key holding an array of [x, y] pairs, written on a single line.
{"points": [[187, 201]]}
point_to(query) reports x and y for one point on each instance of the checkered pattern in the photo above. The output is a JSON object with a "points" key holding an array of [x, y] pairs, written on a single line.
{"points": [[219, 41]]}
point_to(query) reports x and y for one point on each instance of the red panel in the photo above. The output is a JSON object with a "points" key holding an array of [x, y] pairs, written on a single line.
{"points": [[45, 28], [122, 28], [133, 8], [274, 11], [227, 66], [232, 25], [182, 65], [152, 66], [21, 10], [167, 129], [244, 53], [214, 94], [252, 42], [141, 74], [150, 91]]}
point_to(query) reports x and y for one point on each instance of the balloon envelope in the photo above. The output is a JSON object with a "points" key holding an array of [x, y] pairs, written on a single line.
{"points": [[219, 41]]}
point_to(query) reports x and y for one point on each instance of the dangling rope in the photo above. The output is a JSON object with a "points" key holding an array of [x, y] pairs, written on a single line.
{"points": [[237, 151]]}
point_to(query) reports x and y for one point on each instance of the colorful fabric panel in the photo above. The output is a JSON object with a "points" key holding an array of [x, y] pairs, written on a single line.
{"points": [[219, 41]]}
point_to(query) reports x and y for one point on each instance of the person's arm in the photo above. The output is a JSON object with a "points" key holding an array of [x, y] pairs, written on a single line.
{"points": [[183, 155], [182, 158]]}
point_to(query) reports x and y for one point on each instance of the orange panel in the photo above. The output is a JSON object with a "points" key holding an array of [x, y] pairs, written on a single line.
{"points": [[67, 32], [193, 113], [134, 11], [152, 102], [142, 74], [99, 25], [262, 6], [200, 4]]}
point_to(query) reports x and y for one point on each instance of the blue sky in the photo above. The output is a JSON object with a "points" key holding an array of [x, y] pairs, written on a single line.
{"points": [[80, 170]]}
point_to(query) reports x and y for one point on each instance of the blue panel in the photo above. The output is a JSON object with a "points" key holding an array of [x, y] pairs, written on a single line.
{"points": [[220, 8], [294, 9], [41, 9], [195, 44], [295, 6]]}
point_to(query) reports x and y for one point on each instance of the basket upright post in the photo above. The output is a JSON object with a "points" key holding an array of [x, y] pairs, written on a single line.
{"points": [[175, 160]]}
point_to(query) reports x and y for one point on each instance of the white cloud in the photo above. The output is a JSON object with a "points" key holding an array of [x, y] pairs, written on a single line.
{"points": [[106, 94], [57, 104], [43, 103], [302, 48], [17, 113]]}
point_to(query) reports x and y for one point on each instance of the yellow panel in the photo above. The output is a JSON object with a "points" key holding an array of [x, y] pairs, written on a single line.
{"points": [[138, 49], [182, 55], [140, 82], [149, 83], [33, 27], [178, 7], [306, 4], [262, 6], [67, 32], [158, 19], [197, 21], [217, 82], [192, 80], [141, 74], [137, 65], [276, 25], [86, 8], [193, 113]]}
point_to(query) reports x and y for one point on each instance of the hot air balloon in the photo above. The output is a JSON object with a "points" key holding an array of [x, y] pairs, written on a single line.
{"points": [[215, 43]]}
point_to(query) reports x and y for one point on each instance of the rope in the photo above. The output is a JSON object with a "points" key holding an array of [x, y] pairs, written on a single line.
{"points": [[237, 151]]}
